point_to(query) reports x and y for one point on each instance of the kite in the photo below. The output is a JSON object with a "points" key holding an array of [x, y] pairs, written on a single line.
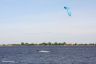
{"points": [[68, 10]]}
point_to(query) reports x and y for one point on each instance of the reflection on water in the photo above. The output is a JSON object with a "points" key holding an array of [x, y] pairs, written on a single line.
{"points": [[55, 55]]}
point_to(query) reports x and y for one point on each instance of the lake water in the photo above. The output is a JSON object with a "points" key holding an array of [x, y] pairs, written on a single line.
{"points": [[50, 55]]}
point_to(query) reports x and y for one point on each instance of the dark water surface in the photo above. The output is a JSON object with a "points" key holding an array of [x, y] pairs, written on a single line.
{"points": [[57, 55]]}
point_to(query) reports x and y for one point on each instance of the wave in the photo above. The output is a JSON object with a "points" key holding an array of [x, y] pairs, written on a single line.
{"points": [[7, 61], [44, 51]]}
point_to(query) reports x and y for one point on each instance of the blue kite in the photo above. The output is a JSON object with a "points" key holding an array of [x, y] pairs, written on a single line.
{"points": [[68, 10]]}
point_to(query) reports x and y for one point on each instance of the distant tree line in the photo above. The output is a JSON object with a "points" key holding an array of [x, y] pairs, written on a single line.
{"points": [[54, 44], [44, 43], [50, 44]]}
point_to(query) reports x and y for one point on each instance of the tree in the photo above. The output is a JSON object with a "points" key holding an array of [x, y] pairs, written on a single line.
{"points": [[22, 43]]}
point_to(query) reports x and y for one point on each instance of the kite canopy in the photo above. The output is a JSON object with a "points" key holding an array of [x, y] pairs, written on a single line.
{"points": [[68, 10]]}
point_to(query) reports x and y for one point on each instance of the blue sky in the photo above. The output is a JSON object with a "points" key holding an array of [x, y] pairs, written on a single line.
{"points": [[46, 20]]}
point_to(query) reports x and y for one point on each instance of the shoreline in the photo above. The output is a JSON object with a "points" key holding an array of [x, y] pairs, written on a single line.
{"points": [[48, 44]]}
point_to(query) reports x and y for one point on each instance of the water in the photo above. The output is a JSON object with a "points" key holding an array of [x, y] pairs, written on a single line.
{"points": [[57, 55]]}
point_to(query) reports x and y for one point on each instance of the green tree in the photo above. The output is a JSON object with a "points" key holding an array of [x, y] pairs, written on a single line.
{"points": [[22, 43]]}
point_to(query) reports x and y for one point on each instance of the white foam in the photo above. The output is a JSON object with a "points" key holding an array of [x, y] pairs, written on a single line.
{"points": [[7, 61], [44, 51]]}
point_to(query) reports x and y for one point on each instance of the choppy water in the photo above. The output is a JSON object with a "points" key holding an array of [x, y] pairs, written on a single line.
{"points": [[55, 55]]}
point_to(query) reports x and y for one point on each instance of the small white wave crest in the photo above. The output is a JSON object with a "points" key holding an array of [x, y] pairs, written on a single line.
{"points": [[7, 61], [44, 51]]}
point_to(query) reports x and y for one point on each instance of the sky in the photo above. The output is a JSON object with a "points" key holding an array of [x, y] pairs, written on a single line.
{"points": [[46, 20]]}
